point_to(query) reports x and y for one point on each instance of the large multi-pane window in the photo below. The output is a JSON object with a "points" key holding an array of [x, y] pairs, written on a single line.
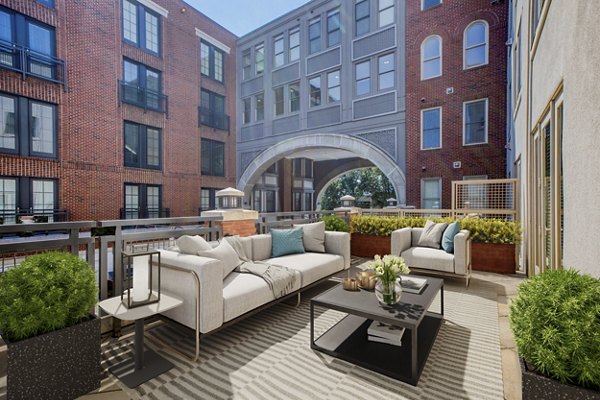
{"points": [[278, 51], [246, 64], [259, 100], [431, 128], [314, 35], [279, 101], [8, 199], [294, 96], [259, 58], [386, 12], [294, 43], [431, 57], [208, 199], [386, 71], [141, 26], [27, 127], [211, 61], [431, 193], [212, 157], [475, 122], [333, 28], [315, 91], [142, 86], [142, 201], [476, 44], [246, 107], [143, 146], [425, 4], [212, 110], [333, 86], [37, 196], [363, 78], [362, 17]]}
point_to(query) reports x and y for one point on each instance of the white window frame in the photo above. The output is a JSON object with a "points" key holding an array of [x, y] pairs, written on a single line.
{"points": [[381, 10], [278, 38], [439, 181], [429, 8], [440, 46], [487, 121], [487, 44], [441, 119], [293, 31]]}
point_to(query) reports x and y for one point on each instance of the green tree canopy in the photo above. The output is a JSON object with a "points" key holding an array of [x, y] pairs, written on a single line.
{"points": [[359, 183]]}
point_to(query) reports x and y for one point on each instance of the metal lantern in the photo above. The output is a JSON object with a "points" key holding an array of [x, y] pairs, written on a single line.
{"points": [[229, 198], [391, 202], [347, 201], [139, 278]]}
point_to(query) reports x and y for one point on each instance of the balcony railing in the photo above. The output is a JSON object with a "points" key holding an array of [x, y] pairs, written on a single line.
{"points": [[144, 98], [144, 213], [217, 120], [28, 62], [33, 215]]}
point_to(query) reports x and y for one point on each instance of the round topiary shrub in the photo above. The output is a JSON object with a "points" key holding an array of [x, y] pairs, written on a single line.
{"points": [[556, 323], [44, 293]]}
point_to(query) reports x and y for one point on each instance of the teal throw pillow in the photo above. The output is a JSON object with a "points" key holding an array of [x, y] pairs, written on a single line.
{"points": [[448, 237], [286, 241]]}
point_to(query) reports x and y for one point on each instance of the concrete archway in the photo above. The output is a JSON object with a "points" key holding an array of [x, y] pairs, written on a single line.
{"points": [[357, 146]]}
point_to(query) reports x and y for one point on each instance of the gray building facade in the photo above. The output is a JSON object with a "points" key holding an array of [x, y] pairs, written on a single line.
{"points": [[320, 91]]}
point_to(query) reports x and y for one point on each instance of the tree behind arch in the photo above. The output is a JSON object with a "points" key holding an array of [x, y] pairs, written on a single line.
{"points": [[358, 183]]}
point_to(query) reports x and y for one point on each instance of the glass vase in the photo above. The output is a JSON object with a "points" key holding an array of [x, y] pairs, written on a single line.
{"points": [[388, 293]]}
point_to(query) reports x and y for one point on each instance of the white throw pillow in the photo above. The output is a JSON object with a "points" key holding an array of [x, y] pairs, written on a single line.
{"points": [[431, 236], [224, 253], [313, 236], [192, 244]]}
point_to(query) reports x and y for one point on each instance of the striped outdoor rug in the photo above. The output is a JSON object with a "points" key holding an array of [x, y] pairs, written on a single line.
{"points": [[268, 356]]}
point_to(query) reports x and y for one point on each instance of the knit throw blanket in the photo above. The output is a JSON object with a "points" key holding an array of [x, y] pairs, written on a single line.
{"points": [[280, 279]]}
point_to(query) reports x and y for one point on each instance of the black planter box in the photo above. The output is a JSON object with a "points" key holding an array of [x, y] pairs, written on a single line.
{"points": [[63, 364], [536, 386]]}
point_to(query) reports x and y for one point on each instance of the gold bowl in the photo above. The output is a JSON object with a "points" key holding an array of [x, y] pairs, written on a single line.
{"points": [[350, 284], [366, 280]]}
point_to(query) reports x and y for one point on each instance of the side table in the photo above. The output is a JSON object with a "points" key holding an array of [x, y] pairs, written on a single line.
{"points": [[145, 364]]}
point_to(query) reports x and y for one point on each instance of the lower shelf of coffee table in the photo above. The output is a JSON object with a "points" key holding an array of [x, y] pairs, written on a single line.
{"points": [[347, 340]]}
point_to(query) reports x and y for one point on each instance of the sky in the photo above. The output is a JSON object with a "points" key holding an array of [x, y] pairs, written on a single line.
{"points": [[243, 16]]}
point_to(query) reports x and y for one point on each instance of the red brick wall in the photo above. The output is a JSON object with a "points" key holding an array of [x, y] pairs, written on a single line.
{"points": [[90, 166], [449, 21], [242, 228]]}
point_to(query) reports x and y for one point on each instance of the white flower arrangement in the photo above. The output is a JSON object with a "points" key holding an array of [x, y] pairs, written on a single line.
{"points": [[388, 268]]}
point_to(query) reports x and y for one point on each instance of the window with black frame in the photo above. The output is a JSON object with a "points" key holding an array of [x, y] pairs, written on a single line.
{"points": [[28, 196], [142, 86], [212, 158], [212, 61], [142, 201], [143, 146], [141, 26], [212, 110]]}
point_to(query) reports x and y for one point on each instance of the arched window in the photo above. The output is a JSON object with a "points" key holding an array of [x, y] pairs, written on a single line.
{"points": [[431, 57], [475, 44]]}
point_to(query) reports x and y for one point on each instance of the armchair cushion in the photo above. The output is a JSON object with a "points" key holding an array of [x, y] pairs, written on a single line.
{"points": [[432, 234], [448, 237]]}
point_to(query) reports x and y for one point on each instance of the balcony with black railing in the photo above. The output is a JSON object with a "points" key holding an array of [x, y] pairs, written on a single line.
{"points": [[208, 117], [28, 62], [143, 97], [144, 212], [22, 215]]}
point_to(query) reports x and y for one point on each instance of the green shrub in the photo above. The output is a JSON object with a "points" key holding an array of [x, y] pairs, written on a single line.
{"points": [[556, 323], [334, 223], [46, 292], [482, 230]]}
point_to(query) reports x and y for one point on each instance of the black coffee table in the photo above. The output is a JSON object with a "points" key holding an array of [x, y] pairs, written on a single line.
{"points": [[347, 339]]}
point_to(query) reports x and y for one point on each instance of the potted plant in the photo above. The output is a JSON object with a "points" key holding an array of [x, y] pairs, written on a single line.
{"points": [[493, 244], [334, 223], [555, 319], [53, 341]]}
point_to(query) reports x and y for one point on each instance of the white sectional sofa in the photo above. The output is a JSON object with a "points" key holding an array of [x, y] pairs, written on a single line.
{"points": [[404, 243], [212, 301]]}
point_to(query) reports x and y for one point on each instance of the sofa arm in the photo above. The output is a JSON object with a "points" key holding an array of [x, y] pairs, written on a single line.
{"points": [[338, 243], [462, 252], [180, 283], [401, 240]]}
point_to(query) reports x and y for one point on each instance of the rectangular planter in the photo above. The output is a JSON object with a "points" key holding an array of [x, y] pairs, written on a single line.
{"points": [[370, 245], [63, 364], [536, 386], [490, 257]]}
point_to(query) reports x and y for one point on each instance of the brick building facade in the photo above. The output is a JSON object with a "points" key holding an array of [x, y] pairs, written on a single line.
{"points": [[448, 90], [139, 120]]}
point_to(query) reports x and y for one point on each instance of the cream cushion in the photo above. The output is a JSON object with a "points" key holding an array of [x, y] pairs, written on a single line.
{"points": [[428, 258], [192, 244], [312, 266], [314, 236], [432, 234], [224, 253]]}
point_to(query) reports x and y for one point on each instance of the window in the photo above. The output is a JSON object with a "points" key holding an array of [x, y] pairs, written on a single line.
{"points": [[363, 78], [426, 4], [41, 39], [246, 64], [211, 61], [246, 110], [431, 57], [314, 35], [386, 71], [142, 201], [259, 59], [294, 96], [279, 102], [333, 86], [212, 110], [141, 86], [333, 28], [278, 52], [47, 3], [517, 64], [43, 197], [476, 44], [294, 43], [30, 195], [8, 199], [142, 146], [386, 12], [475, 122], [260, 107], [431, 128], [208, 199], [315, 91], [28, 127], [212, 157], [362, 17], [141, 27], [431, 193]]}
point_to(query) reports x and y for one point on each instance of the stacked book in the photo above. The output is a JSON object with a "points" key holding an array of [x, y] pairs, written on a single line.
{"points": [[413, 285], [383, 333]]}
